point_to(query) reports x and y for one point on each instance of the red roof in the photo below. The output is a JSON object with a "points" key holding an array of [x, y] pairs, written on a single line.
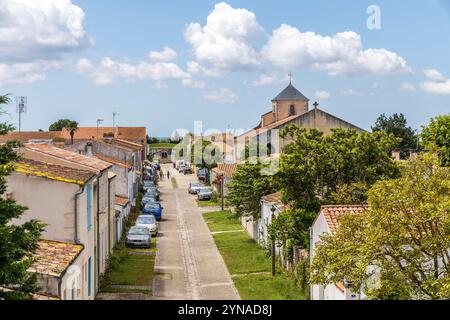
{"points": [[332, 213], [226, 169], [89, 162]]}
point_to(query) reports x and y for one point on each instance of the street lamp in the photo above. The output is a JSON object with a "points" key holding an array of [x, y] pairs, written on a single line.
{"points": [[273, 209], [99, 121]]}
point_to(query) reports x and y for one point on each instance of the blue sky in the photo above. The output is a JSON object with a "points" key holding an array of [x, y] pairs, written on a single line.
{"points": [[70, 76]]}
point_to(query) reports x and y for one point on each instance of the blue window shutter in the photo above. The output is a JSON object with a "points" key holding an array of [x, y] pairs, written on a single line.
{"points": [[89, 206], [89, 277]]}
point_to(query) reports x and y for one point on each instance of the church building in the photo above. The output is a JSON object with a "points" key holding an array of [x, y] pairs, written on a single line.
{"points": [[290, 107]]}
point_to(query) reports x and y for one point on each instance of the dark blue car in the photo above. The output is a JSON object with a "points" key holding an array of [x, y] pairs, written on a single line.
{"points": [[153, 208]]}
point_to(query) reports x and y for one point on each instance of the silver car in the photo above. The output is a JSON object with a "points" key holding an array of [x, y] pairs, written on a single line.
{"points": [[205, 193], [149, 222], [194, 187], [139, 237]]}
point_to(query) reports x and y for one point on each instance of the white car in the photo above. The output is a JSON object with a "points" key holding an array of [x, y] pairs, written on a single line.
{"points": [[148, 221]]}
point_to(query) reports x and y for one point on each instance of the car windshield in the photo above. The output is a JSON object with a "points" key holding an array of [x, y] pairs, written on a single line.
{"points": [[146, 220], [152, 206], [196, 184], [206, 190], [138, 231]]}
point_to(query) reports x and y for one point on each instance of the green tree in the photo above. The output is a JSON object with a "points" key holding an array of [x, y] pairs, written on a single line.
{"points": [[399, 248], [315, 167], [397, 125], [247, 187], [72, 127], [17, 242], [205, 155], [60, 125], [436, 136]]}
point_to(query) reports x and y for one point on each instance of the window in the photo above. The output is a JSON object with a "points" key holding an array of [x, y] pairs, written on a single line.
{"points": [[292, 110], [89, 206]]}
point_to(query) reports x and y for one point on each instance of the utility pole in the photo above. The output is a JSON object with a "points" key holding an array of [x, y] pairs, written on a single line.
{"points": [[99, 121], [21, 107], [222, 178], [273, 243], [115, 114]]}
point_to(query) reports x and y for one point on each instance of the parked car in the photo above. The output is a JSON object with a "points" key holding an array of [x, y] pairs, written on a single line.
{"points": [[149, 184], [152, 193], [148, 199], [139, 236], [194, 187], [205, 193], [149, 222], [187, 170], [202, 174], [153, 208]]}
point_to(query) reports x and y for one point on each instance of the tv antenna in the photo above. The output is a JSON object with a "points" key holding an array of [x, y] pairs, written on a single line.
{"points": [[115, 114], [21, 107]]}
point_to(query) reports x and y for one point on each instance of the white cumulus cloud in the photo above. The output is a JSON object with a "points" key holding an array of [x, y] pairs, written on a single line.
{"points": [[226, 40], [266, 79], [322, 94], [25, 72], [408, 87], [35, 36], [434, 75], [40, 29], [223, 95], [166, 55], [437, 83], [351, 93], [342, 53], [108, 71]]}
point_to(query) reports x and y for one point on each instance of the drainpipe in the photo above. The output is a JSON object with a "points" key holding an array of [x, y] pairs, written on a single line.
{"points": [[75, 199], [98, 229], [109, 216]]}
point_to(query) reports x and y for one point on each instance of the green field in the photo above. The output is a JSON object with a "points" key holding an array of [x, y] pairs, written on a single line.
{"points": [[162, 145], [249, 264]]}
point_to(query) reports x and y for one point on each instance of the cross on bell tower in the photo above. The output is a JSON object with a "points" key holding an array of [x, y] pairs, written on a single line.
{"points": [[290, 75], [315, 104]]}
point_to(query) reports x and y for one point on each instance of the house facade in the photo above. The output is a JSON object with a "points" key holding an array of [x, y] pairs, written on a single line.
{"points": [[98, 192], [68, 213], [327, 222], [60, 270]]}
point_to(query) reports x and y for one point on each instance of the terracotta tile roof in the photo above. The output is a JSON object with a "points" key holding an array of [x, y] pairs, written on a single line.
{"points": [[26, 137], [130, 144], [111, 175], [53, 258], [89, 162], [340, 286], [122, 201], [127, 133], [275, 198], [53, 172], [332, 213], [116, 162], [227, 169], [115, 145]]}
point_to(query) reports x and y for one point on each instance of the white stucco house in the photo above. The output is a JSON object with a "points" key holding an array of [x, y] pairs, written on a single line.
{"points": [[60, 270], [122, 208], [61, 197], [98, 192], [326, 223]]}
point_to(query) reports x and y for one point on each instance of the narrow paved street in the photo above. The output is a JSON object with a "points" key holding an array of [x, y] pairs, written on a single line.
{"points": [[190, 265]]}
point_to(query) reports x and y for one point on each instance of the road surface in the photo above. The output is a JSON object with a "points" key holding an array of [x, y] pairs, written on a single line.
{"points": [[190, 265]]}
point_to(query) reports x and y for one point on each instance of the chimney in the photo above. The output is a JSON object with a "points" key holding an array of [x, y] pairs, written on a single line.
{"points": [[89, 149], [396, 154]]}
